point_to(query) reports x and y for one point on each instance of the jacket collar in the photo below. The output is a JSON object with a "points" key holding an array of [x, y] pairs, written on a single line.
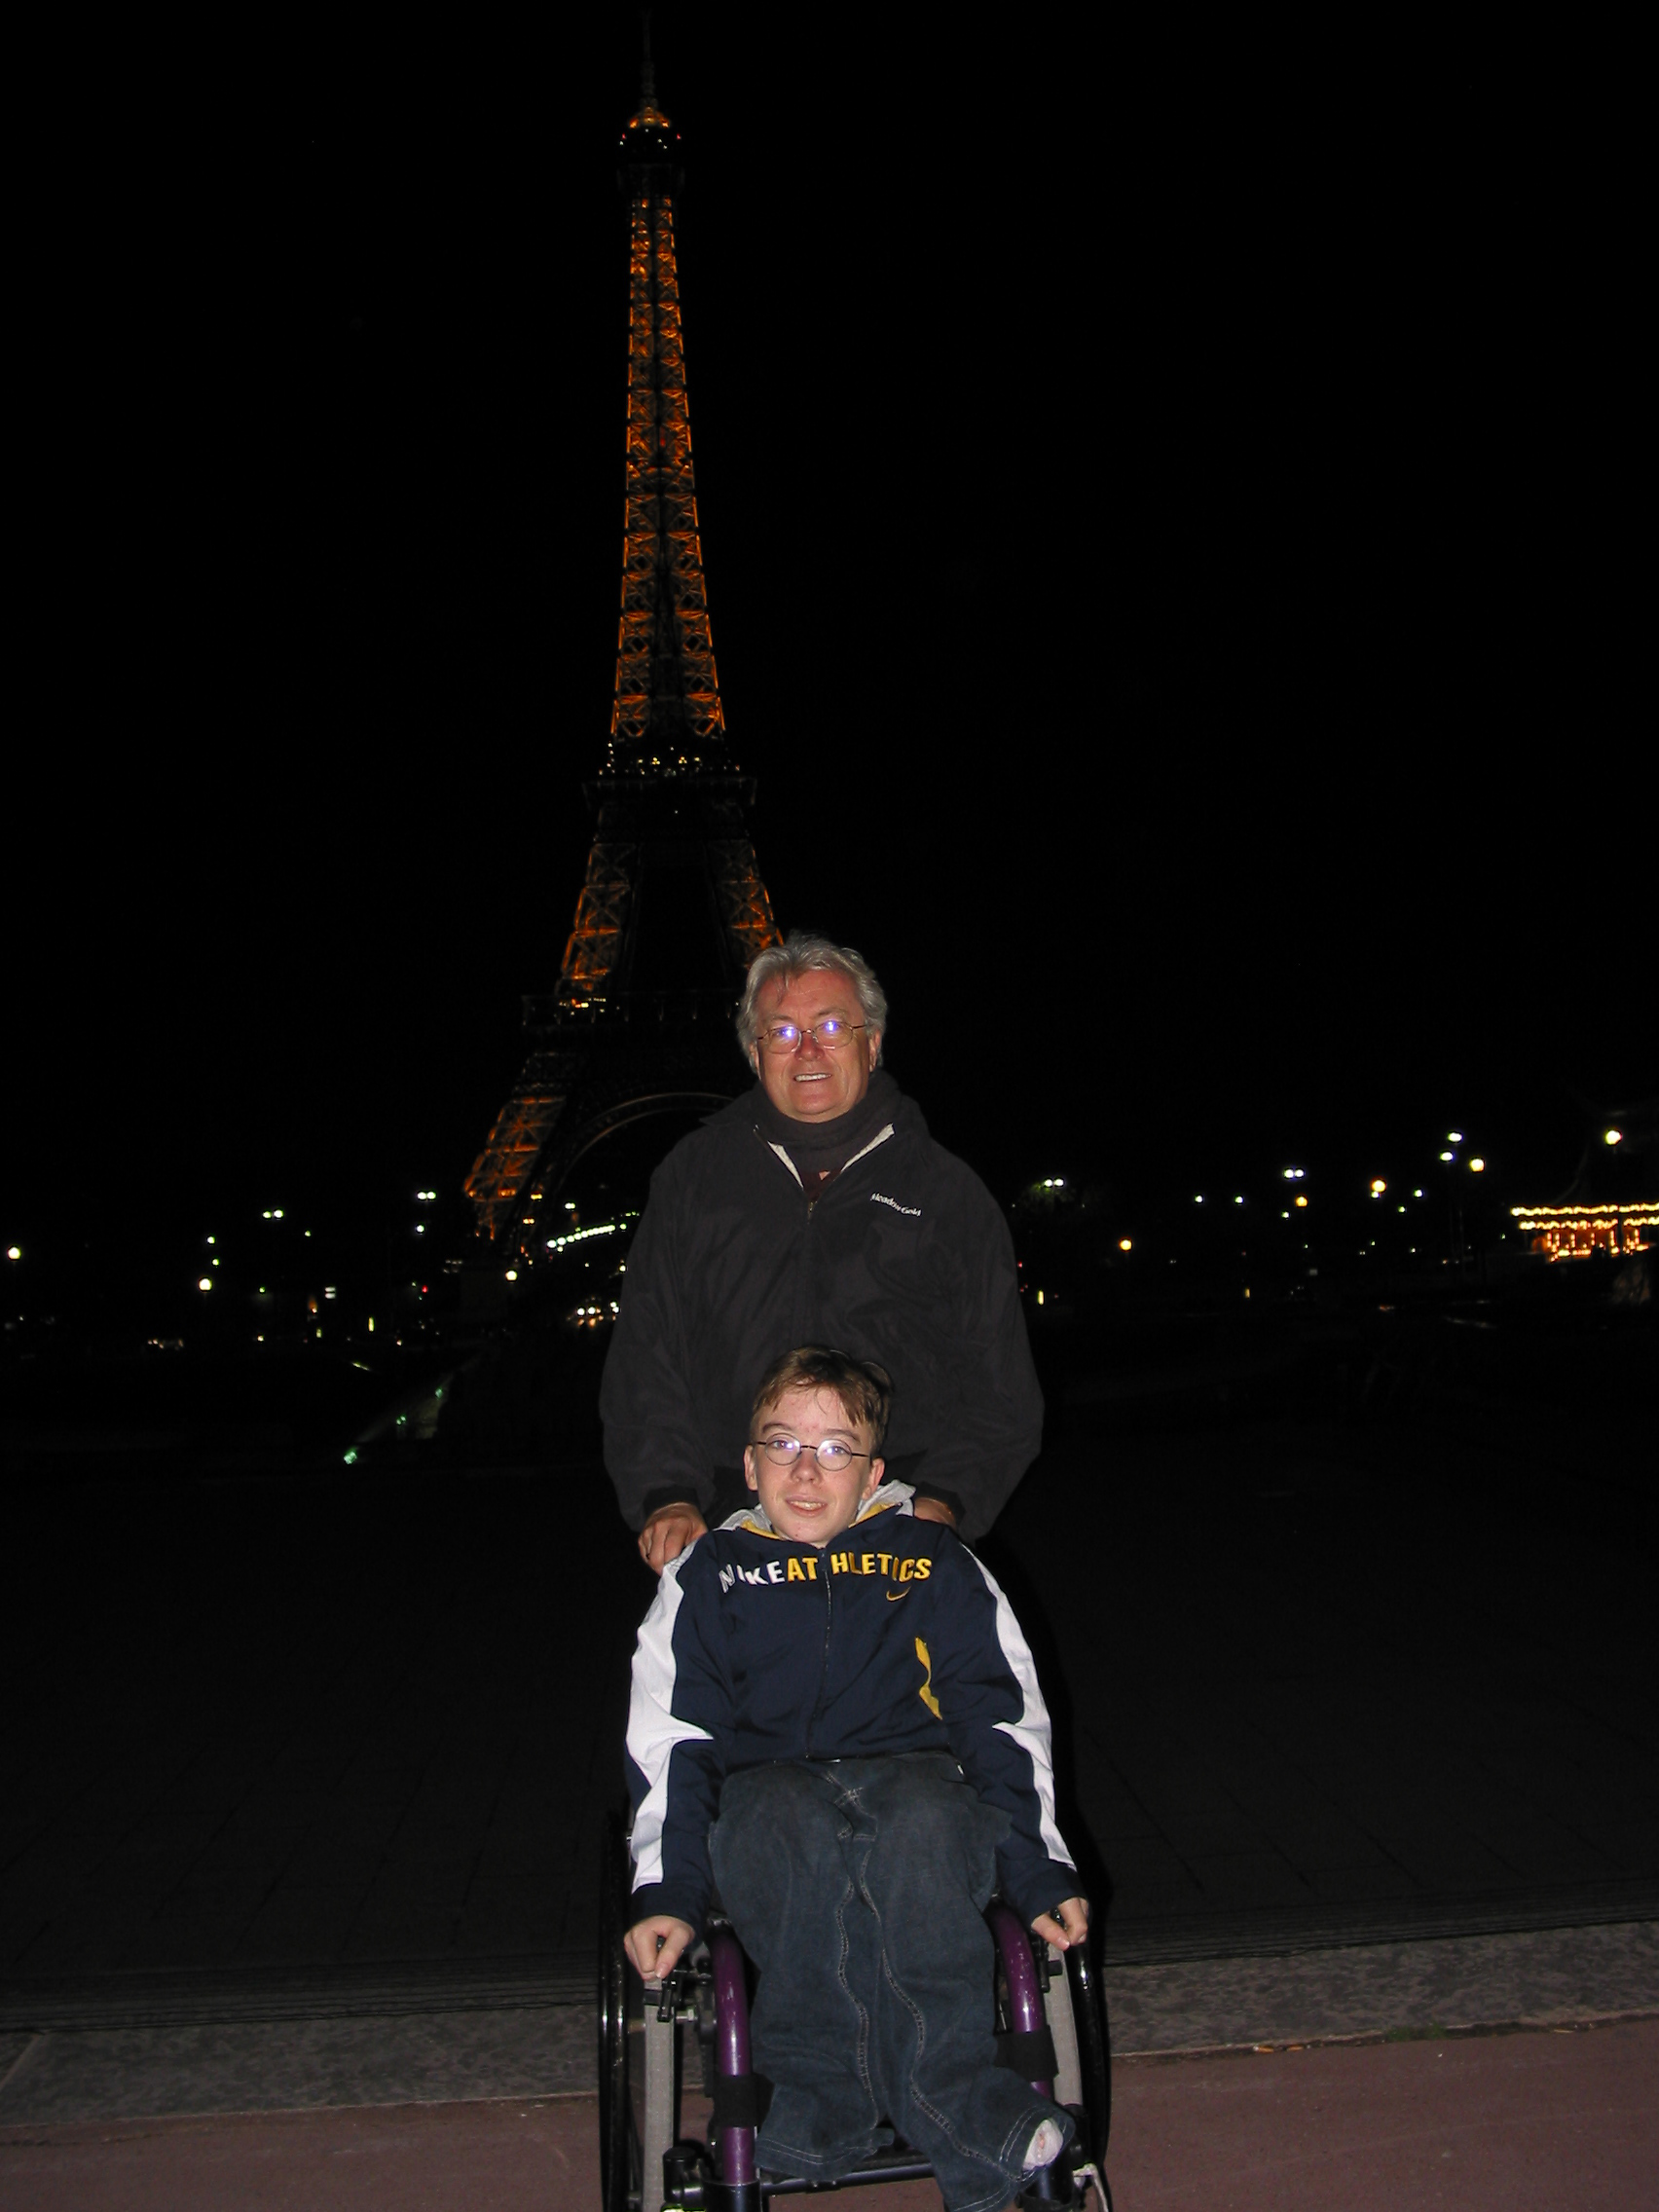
{"points": [[890, 1497], [880, 1138]]}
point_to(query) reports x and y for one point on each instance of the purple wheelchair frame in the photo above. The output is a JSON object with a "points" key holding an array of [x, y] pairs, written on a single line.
{"points": [[737, 2186]]}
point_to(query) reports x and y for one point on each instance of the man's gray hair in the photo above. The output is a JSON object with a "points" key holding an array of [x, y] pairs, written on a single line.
{"points": [[804, 954]]}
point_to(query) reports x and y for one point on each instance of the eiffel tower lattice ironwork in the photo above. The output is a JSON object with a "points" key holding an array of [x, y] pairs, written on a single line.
{"points": [[673, 908]]}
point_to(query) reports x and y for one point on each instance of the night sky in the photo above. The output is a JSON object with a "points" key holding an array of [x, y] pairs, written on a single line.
{"points": [[1166, 516]]}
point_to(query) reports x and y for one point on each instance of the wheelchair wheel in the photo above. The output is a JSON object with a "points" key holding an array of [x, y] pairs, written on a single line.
{"points": [[619, 2161], [1094, 2053]]}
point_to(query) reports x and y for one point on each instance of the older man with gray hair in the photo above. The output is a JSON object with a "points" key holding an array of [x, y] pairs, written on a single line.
{"points": [[816, 1210]]}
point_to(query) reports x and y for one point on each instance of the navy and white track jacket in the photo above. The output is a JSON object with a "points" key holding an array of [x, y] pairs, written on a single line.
{"points": [[891, 1639]]}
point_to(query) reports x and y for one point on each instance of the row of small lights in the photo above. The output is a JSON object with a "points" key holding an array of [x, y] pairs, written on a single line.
{"points": [[1378, 1187]]}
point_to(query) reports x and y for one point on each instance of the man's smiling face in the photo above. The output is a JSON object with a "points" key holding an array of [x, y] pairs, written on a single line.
{"points": [[810, 1084], [811, 1503]]}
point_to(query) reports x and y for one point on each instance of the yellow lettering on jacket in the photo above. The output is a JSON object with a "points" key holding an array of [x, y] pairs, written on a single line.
{"points": [[926, 1692], [811, 1570], [924, 1567], [840, 1562], [886, 1560], [867, 1565], [797, 1572], [907, 1569]]}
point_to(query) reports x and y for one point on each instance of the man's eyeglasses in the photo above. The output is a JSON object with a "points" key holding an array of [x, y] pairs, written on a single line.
{"points": [[785, 1451], [829, 1036]]}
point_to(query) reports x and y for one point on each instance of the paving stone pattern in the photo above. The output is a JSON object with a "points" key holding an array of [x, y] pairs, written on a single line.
{"points": [[287, 1724], [300, 2065], [1537, 1977], [1342, 1681], [1553, 1977], [1310, 1684]]}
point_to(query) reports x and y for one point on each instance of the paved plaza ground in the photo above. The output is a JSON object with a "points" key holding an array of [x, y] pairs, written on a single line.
{"points": [[1359, 1737], [1482, 2124]]}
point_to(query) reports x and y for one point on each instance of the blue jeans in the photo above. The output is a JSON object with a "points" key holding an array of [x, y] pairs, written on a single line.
{"points": [[858, 1887]]}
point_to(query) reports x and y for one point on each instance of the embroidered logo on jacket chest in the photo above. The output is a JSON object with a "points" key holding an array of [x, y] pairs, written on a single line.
{"points": [[880, 1199], [890, 1567]]}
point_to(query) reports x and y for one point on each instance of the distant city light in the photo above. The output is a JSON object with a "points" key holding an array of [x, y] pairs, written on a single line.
{"points": [[1415, 1195], [1476, 1168], [1199, 1200], [1300, 1199], [1039, 1298], [212, 1240], [1613, 1136], [1446, 1155], [1238, 1201], [419, 1229], [426, 1195], [512, 1275], [582, 1236], [1378, 1187], [1295, 1174], [371, 1324], [1454, 1136], [352, 1457], [205, 1283], [13, 1251], [1125, 1244]]}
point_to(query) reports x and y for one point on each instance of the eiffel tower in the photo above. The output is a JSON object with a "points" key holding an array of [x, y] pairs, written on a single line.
{"points": [[673, 908]]}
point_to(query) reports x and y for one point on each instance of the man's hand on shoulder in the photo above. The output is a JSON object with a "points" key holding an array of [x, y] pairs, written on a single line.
{"points": [[933, 1509], [667, 1533]]}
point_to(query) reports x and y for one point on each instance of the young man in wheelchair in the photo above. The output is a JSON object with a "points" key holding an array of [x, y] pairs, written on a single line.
{"points": [[835, 1720]]}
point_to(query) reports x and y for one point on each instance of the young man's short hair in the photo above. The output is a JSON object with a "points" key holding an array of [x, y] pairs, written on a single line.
{"points": [[864, 1391]]}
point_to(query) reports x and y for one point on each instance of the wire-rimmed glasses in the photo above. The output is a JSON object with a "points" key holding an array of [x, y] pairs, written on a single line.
{"points": [[830, 1035], [832, 1456]]}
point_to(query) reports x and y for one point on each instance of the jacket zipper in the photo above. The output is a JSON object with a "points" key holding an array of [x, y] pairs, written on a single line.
{"points": [[824, 1661], [803, 1264]]}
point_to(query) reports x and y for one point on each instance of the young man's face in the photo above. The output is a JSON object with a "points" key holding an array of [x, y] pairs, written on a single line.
{"points": [[807, 1502]]}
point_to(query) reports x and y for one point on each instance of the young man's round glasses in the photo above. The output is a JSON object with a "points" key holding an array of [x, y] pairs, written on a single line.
{"points": [[828, 1036], [785, 1451]]}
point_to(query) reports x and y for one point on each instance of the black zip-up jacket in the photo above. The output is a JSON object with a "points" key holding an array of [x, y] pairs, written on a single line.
{"points": [[892, 1637], [905, 1259]]}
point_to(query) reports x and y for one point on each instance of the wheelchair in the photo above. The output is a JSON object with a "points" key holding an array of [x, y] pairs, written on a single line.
{"points": [[1050, 2023]]}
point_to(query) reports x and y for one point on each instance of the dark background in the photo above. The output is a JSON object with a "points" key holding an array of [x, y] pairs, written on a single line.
{"points": [[1167, 513]]}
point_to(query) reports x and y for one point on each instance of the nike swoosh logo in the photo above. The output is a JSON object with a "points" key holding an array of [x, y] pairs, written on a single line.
{"points": [[893, 1595]]}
